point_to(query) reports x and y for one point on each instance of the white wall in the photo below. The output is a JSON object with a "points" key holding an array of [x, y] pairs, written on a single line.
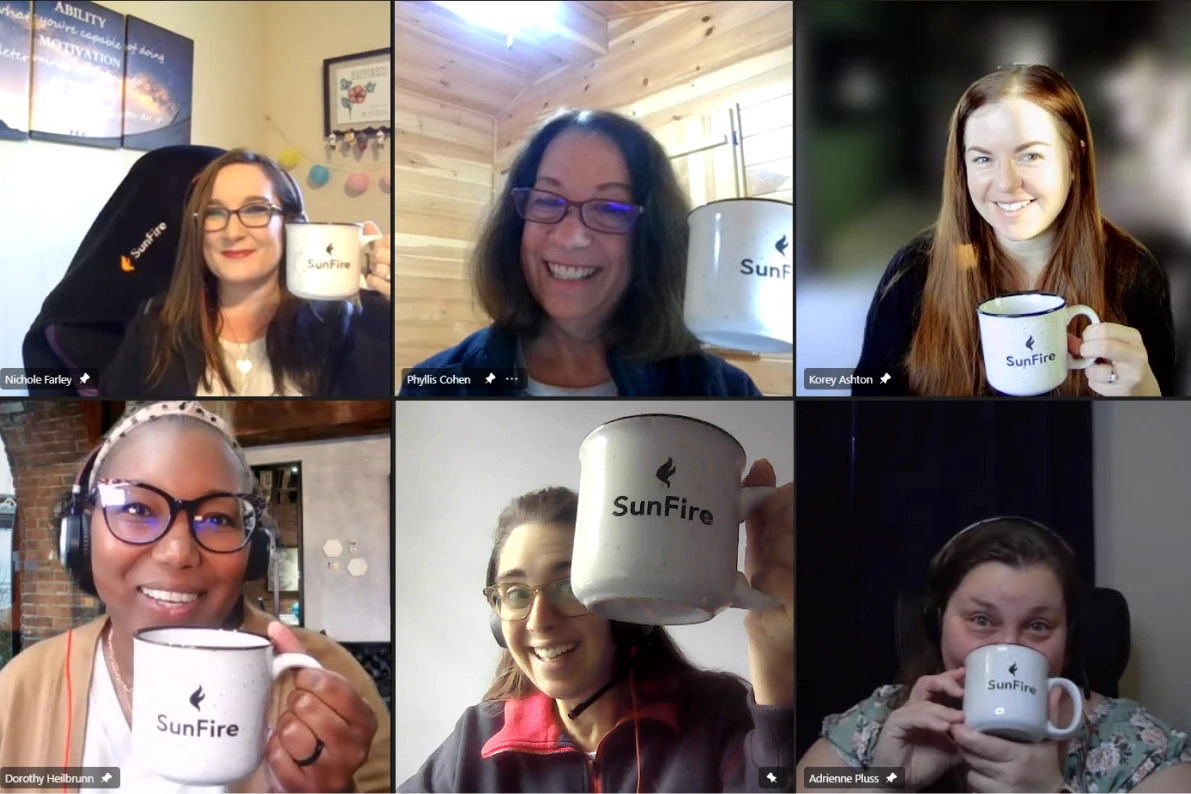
{"points": [[251, 60], [457, 466], [345, 497], [1143, 543]]}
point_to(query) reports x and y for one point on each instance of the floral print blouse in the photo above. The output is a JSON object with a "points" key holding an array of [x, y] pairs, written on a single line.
{"points": [[1121, 745]]}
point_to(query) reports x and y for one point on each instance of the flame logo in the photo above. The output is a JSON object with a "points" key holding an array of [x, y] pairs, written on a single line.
{"points": [[666, 471], [781, 245], [1013, 669], [196, 698], [126, 264], [330, 247], [1030, 343]]}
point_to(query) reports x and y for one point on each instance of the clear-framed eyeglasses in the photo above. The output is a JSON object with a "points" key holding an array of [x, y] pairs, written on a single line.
{"points": [[515, 600], [139, 514], [601, 215], [252, 216]]}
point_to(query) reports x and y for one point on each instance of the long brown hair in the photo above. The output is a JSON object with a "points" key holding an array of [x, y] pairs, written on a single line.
{"points": [[1018, 543], [1092, 263], [191, 312], [648, 321], [660, 660]]}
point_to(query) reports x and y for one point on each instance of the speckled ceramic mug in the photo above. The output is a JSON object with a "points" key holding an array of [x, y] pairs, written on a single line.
{"points": [[658, 527], [1024, 338], [199, 711]]}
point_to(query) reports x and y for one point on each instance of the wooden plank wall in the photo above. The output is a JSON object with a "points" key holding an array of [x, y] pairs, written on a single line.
{"points": [[676, 71], [442, 186]]}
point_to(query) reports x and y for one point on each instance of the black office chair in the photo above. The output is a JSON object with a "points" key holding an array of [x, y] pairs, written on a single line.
{"points": [[1105, 635]]}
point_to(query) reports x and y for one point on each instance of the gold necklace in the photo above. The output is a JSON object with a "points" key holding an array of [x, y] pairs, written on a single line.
{"points": [[116, 669]]}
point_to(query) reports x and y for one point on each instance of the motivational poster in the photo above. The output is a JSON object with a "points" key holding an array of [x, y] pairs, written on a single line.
{"points": [[78, 73], [16, 49], [158, 87]]}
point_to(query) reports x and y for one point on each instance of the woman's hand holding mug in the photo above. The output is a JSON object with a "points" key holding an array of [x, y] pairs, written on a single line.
{"points": [[769, 566], [1127, 371], [379, 276], [999, 765], [917, 736], [325, 719]]}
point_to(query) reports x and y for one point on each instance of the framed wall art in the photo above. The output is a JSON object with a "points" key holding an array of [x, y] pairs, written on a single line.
{"points": [[158, 87], [16, 49], [358, 94], [78, 74]]}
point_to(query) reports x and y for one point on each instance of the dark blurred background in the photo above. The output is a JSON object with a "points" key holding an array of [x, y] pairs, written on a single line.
{"points": [[876, 85]]}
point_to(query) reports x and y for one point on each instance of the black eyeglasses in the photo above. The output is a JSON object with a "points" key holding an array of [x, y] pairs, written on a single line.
{"points": [[514, 600], [252, 216], [139, 514], [601, 215]]}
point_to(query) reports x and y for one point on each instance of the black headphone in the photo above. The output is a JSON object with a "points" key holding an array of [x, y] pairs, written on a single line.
{"points": [[932, 610], [626, 636], [74, 538]]}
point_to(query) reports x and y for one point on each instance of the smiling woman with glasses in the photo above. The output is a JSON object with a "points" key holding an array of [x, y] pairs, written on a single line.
{"points": [[581, 703], [581, 266], [163, 526], [228, 323]]}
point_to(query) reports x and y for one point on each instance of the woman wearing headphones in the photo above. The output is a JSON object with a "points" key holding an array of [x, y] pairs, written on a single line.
{"points": [[228, 325], [162, 528], [1005, 580], [580, 703]]}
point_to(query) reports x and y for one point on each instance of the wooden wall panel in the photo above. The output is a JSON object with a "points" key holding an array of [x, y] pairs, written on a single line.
{"points": [[442, 185]]}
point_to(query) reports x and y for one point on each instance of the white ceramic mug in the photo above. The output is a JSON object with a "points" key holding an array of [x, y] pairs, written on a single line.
{"points": [[1024, 337], [1006, 693], [658, 528], [199, 711], [326, 261], [740, 275]]}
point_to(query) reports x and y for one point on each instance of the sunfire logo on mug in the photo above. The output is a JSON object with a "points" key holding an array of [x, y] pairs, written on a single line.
{"points": [[1013, 686], [330, 263], [623, 506], [1030, 360], [201, 727], [749, 268]]}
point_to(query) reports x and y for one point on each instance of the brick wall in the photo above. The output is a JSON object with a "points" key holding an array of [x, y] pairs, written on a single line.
{"points": [[46, 445]]}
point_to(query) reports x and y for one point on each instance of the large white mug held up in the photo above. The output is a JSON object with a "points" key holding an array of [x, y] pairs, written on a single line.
{"points": [[1007, 691], [739, 280], [658, 527], [199, 712], [326, 261], [1024, 337]]}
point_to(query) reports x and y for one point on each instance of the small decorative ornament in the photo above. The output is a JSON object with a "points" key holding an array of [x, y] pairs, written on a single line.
{"points": [[358, 182], [362, 144], [380, 139], [244, 365], [319, 175], [349, 136], [332, 139], [289, 159]]}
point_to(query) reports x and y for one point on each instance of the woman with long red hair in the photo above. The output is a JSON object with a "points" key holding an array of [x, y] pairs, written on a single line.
{"points": [[1019, 214]]}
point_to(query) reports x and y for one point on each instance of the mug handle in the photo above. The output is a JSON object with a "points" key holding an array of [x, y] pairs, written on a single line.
{"points": [[1057, 734], [743, 595], [1072, 313], [293, 661]]}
